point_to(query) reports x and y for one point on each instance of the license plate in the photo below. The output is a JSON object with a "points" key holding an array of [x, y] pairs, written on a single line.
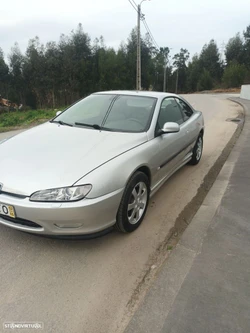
{"points": [[7, 210]]}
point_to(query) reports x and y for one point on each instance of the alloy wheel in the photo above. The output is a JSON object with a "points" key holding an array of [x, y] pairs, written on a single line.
{"points": [[137, 202]]}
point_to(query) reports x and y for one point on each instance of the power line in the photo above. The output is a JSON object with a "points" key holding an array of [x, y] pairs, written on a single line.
{"points": [[135, 8], [150, 33], [135, 3], [141, 17]]}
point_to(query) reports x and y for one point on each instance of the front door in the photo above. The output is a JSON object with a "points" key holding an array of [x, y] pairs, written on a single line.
{"points": [[170, 147]]}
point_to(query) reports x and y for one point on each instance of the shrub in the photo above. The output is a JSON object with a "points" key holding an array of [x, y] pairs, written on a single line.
{"points": [[205, 82], [234, 75]]}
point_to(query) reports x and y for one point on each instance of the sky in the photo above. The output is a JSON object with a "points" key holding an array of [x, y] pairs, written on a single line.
{"points": [[176, 24]]}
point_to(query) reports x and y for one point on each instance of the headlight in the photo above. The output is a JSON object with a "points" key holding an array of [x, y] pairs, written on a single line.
{"points": [[65, 194]]}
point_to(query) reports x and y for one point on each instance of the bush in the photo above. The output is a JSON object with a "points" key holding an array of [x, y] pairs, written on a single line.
{"points": [[24, 118], [234, 75], [205, 82]]}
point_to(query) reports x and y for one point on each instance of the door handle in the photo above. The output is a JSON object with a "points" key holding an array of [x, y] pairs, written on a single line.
{"points": [[187, 131]]}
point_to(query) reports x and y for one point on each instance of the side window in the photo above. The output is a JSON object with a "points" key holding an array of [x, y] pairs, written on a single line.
{"points": [[169, 112], [187, 111]]}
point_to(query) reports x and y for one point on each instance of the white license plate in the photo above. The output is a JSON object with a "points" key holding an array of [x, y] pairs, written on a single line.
{"points": [[7, 210]]}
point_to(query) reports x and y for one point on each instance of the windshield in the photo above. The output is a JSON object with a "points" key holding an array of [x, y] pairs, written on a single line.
{"points": [[121, 113]]}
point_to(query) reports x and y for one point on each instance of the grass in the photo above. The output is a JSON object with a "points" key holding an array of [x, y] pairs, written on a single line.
{"points": [[22, 119]]}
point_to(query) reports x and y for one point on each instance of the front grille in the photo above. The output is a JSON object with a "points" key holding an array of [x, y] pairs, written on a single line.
{"points": [[20, 221]]}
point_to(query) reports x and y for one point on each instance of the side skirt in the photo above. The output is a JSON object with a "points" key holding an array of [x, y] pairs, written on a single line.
{"points": [[163, 180]]}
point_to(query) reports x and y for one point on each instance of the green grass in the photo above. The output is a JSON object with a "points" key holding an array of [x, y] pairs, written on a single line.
{"points": [[17, 119]]}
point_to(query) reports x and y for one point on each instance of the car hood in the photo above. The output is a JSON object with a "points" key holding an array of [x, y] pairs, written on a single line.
{"points": [[51, 156]]}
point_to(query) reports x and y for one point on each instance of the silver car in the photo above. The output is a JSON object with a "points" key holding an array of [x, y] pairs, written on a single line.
{"points": [[96, 164]]}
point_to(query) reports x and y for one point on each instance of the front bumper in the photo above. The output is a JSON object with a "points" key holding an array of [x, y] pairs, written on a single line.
{"points": [[87, 216]]}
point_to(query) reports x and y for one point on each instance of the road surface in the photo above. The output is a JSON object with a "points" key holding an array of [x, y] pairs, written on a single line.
{"points": [[93, 286]]}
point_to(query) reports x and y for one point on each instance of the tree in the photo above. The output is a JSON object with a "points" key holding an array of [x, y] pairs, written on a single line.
{"points": [[4, 76], [210, 60], [53, 74], [160, 61], [34, 69], [17, 82], [205, 82], [235, 50], [122, 68], [234, 75], [246, 35], [60, 73], [131, 51], [194, 71], [180, 60]]}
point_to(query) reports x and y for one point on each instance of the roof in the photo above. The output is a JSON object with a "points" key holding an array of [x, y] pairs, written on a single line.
{"points": [[155, 94]]}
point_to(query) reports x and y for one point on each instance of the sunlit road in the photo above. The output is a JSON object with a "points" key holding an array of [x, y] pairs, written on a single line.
{"points": [[88, 286]]}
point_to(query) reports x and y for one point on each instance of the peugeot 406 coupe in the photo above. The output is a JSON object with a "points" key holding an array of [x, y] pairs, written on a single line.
{"points": [[96, 164]]}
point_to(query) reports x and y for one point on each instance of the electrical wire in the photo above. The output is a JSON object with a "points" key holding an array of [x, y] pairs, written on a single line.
{"points": [[150, 33], [135, 8], [134, 5]]}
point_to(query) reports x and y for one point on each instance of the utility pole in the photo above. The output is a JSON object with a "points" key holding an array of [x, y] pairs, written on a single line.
{"points": [[177, 77], [222, 52], [138, 67], [138, 63], [166, 63], [165, 76]]}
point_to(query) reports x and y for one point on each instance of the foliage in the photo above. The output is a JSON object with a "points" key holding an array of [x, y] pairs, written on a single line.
{"points": [[180, 60], [235, 50], [4, 75], [234, 75], [205, 81], [210, 60], [193, 74], [59, 73], [25, 118]]}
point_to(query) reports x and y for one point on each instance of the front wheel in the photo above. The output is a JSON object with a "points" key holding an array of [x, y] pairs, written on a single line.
{"points": [[134, 203], [197, 151]]}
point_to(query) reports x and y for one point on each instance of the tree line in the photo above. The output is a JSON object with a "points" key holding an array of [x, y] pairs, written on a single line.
{"points": [[59, 73]]}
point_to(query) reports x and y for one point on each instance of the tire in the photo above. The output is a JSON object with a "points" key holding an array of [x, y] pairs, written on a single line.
{"points": [[197, 151], [136, 194]]}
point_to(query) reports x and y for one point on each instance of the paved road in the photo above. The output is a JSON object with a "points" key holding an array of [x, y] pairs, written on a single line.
{"points": [[91, 286], [204, 285]]}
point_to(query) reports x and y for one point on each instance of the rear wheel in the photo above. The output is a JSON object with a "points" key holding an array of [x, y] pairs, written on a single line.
{"points": [[197, 151], [134, 203]]}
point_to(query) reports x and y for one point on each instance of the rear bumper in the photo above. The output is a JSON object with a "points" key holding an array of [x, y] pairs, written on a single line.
{"points": [[84, 217]]}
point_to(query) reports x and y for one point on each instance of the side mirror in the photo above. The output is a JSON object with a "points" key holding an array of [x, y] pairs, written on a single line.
{"points": [[58, 112], [170, 128]]}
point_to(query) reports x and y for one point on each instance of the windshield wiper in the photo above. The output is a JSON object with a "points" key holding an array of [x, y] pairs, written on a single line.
{"points": [[61, 122], [95, 126]]}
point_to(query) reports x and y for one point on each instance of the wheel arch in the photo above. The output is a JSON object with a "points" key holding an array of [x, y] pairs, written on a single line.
{"points": [[145, 169]]}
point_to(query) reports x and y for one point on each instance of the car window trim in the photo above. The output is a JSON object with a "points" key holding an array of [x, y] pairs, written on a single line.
{"points": [[168, 97], [183, 114]]}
